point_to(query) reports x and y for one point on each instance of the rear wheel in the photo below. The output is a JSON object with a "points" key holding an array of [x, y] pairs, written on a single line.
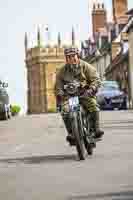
{"points": [[78, 136], [89, 148]]}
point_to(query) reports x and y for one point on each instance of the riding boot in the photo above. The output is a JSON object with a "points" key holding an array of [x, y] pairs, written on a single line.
{"points": [[70, 138], [90, 128], [91, 123], [94, 118]]}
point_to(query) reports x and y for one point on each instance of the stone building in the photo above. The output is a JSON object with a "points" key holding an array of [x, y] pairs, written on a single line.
{"points": [[100, 59], [130, 69], [42, 63], [120, 69]]}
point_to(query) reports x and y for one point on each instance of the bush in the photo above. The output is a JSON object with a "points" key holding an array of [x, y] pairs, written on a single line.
{"points": [[52, 110], [15, 109]]}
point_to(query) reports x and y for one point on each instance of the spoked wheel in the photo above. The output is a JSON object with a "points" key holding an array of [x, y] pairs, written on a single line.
{"points": [[79, 139], [88, 141]]}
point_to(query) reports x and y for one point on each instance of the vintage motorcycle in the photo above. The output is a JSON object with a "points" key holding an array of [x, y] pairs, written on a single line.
{"points": [[84, 139]]}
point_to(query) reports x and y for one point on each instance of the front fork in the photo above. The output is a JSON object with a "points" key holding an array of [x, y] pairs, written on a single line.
{"points": [[79, 120]]}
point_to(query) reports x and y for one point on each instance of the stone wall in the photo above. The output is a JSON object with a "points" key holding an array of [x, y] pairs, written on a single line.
{"points": [[42, 64]]}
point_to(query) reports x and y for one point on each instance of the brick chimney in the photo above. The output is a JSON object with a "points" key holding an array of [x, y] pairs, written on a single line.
{"points": [[99, 17]]}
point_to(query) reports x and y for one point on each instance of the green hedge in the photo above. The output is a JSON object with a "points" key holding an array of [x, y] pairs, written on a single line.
{"points": [[15, 109]]}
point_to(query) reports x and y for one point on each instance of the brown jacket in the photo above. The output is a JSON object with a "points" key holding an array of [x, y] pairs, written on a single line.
{"points": [[85, 73]]}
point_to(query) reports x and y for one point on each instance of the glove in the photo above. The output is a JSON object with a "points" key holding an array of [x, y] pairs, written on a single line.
{"points": [[60, 95]]}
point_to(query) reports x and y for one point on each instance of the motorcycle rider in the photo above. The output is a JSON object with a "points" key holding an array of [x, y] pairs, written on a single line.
{"points": [[77, 69]]}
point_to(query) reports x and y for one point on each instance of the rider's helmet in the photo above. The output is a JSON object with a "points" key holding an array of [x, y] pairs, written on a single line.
{"points": [[71, 51]]}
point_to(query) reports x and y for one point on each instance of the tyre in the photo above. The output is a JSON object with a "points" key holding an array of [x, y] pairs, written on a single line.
{"points": [[79, 140], [124, 105], [5, 115], [89, 146], [9, 114]]}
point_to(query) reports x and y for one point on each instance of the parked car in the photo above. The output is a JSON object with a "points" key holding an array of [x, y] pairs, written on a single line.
{"points": [[110, 96], [5, 112]]}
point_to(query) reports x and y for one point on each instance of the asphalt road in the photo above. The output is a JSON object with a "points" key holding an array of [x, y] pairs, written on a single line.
{"points": [[36, 163]]}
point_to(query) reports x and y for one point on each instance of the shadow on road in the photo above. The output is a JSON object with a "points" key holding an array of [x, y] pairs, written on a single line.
{"points": [[41, 159], [125, 195]]}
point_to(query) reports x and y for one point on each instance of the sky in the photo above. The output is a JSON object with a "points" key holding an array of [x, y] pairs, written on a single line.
{"points": [[18, 17]]}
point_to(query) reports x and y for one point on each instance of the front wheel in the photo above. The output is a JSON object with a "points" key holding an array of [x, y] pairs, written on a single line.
{"points": [[78, 137], [89, 144]]}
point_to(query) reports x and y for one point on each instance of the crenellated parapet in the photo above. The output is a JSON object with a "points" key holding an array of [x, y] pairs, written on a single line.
{"points": [[45, 53], [41, 53], [98, 7]]}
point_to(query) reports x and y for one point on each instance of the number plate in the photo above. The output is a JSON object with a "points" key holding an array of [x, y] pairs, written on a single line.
{"points": [[73, 101]]}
